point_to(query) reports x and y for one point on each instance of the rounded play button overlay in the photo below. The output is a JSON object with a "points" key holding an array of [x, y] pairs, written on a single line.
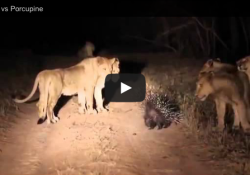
{"points": [[124, 88], [127, 88]]}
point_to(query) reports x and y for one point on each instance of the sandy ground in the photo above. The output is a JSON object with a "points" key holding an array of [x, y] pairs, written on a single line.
{"points": [[111, 143]]}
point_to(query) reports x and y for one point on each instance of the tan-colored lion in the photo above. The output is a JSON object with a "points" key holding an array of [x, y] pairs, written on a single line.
{"points": [[100, 85], [81, 79], [218, 66], [243, 65], [224, 89], [86, 51]]}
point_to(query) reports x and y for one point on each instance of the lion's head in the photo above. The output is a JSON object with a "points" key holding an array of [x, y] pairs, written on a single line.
{"points": [[217, 66], [108, 66], [204, 86], [210, 65], [87, 50], [243, 64], [115, 66]]}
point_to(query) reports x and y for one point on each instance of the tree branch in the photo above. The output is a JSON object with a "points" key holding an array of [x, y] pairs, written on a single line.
{"points": [[200, 38], [208, 29], [150, 41], [245, 32], [173, 29]]}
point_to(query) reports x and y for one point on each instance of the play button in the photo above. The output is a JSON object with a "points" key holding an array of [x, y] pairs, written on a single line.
{"points": [[117, 84], [124, 88]]}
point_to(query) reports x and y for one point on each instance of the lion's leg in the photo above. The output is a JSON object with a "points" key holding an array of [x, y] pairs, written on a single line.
{"points": [[247, 100], [241, 115], [98, 94], [99, 100], [53, 104], [55, 118], [246, 86], [89, 97], [42, 110], [236, 117], [52, 101], [82, 102], [221, 110], [106, 106], [50, 112]]}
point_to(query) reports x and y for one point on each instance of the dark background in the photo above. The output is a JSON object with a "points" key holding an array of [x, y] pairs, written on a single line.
{"points": [[192, 36]]}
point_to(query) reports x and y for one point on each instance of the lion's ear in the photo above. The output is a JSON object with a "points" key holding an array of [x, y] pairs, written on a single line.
{"points": [[218, 59], [209, 63], [113, 60], [243, 60]]}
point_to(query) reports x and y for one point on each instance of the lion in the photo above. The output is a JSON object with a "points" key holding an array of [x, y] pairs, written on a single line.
{"points": [[223, 88], [80, 79], [86, 51], [218, 66], [100, 85], [243, 65]]}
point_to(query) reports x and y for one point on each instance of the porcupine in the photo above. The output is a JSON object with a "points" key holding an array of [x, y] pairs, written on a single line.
{"points": [[160, 111]]}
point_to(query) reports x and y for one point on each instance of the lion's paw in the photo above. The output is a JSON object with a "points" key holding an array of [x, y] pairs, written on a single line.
{"points": [[81, 110], [91, 112], [55, 120], [48, 122], [102, 110], [236, 127]]}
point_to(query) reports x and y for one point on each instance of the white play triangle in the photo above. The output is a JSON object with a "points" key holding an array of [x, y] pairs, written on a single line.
{"points": [[124, 87]]}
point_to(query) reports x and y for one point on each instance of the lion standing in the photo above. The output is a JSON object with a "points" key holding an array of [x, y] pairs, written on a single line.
{"points": [[80, 79], [230, 75], [219, 67], [243, 65], [225, 90]]}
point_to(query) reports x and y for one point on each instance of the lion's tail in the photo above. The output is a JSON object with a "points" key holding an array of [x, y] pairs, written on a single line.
{"points": [[31, 94]]}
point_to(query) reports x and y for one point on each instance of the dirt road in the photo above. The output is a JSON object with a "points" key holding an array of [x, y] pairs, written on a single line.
{"points": [[113, 143]]}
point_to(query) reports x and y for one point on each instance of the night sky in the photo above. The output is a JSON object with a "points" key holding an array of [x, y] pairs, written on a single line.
{"points": [[29, 32], [60, 32]]}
